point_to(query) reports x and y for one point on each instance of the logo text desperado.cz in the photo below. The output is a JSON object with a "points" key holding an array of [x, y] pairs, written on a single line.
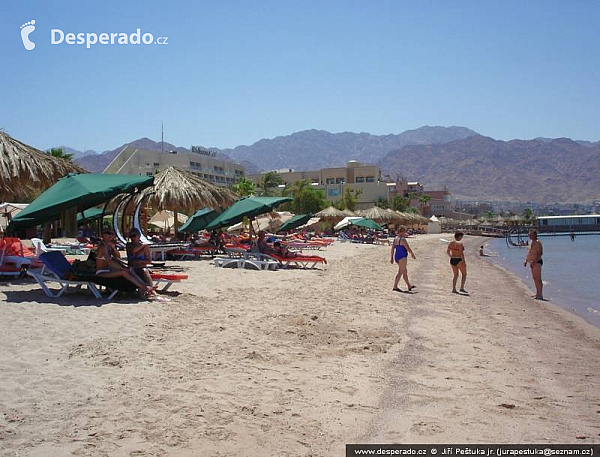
{"points": [[89, 39]]}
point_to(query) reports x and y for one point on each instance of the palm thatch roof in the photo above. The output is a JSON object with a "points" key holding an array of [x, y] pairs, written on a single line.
{"points": [[23, 169], [347, 213], [180, 190], [377, 214], [330, 212]]}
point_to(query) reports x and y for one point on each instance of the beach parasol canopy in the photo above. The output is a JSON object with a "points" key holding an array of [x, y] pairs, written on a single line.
{"points": [[8, 211], [294, 222], [179, 190], [24, 168], [91, 214], [166, 219], [330, 212], [376, 213], [80, 192], [347, 212], [246, 207], [199, 220], [365, 222]]}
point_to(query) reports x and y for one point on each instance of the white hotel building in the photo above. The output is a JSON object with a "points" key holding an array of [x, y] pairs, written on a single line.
{"points": [[135, 161]]}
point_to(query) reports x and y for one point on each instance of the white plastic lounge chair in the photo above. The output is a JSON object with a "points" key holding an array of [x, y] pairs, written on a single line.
{"points": [[40, 247]]}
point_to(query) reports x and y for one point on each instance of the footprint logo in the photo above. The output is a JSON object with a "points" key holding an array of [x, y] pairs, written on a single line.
{"points": [[26, 29]]}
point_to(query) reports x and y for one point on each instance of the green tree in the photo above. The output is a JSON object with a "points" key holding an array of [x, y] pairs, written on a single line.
{"points": [[400, 203], [244, 187], [489, 215], [295, 190], [350, 199], [310, 201], [412, 209], [59, 153], [382, 203], [270, 182], [528, 215], [424, 201]]}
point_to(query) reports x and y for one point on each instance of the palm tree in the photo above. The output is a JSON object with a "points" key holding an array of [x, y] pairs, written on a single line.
{"points": [[271, 180], [60, 153], [528, 215], [295, 190], [244, 187], [424, 200]]}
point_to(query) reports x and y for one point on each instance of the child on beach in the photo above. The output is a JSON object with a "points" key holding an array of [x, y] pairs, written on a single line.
{"points": [[456, 251]]}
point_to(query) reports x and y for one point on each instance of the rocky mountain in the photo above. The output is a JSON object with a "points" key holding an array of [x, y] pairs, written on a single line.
{"points": [[315, 149], [77, 154], [559, 170], [309, 149]]}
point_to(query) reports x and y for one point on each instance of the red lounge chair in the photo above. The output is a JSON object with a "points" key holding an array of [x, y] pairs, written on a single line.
{"points": [[169, 279], [8, 270], [300, 261]]}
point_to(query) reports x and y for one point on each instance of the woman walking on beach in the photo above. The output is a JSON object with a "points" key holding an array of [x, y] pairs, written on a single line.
{"points": [[456, 251], [399, 254]]}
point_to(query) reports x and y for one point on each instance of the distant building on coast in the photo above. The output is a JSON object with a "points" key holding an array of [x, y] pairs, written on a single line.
{"points": [[202, 163], [576, 223], [368, 178]]}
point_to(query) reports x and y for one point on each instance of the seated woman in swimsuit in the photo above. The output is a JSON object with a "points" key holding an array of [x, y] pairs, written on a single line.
{"points": [[456, 251], [109, 264], [139, 257]]}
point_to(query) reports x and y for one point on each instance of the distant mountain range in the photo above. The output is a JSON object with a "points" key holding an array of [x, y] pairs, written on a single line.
{"points": [[559, 170], [470, 165]]}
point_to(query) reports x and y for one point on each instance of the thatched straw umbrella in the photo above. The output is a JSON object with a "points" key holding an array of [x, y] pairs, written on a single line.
{"points": [[330, 213], [360, 212], [182, 191], [347, 213], [377, 214], [23, 169]]}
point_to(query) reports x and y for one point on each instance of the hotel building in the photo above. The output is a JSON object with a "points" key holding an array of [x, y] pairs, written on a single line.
{"points": [[135, 161]]}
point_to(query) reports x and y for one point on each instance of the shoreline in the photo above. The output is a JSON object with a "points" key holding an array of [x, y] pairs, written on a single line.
{"points": [[296, 362]]}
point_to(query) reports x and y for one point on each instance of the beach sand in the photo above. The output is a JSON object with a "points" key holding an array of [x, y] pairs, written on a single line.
{"points": [[296, 362]]}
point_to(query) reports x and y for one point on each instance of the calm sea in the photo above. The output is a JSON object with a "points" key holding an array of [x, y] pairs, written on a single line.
{"points": [[570, 273]]}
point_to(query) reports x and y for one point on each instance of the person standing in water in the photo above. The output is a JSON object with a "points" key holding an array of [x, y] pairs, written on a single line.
{"points": [[399, 255], [456, 251], [534, 259]]}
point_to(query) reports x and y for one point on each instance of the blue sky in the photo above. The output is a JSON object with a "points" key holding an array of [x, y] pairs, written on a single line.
{"points": [[235, 72]]}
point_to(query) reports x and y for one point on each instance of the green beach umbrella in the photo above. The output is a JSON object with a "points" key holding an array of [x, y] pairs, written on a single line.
{"points": [[294, 222], [367, 223], [80, 191], [246, 207], [89, 215], [199, 220]]}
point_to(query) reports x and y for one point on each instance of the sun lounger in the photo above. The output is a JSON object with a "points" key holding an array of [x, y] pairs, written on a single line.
{"points": [[306, 262], [167, 279], [8, 270], [60, 271], [248, 260], [14, 253]]}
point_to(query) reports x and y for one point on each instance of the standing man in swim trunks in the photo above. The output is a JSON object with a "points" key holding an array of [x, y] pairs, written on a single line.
{"points": [[399, 254], [456, 251], [534, 259]]}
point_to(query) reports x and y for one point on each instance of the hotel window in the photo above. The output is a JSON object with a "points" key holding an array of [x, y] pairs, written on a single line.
{"points": [[370, 178], [156, 164], [333, 192], [330, 181], [360, 179], [149, 173], [340, 180]]}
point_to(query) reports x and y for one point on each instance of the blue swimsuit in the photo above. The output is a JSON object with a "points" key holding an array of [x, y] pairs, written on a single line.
{"points": [[400, 252]]}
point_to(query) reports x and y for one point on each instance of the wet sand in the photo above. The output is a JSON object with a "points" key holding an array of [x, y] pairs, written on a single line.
{"points": [[296, 363]]}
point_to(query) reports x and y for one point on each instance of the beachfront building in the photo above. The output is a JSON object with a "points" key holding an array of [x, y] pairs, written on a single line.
{"points": [[202, 163], [578, 223], [368, 178]]}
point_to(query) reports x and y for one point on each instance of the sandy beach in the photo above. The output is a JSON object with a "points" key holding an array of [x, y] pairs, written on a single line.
{"points": [[296, 362]]}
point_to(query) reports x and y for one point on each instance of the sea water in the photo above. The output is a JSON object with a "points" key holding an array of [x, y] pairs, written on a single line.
{"points": [[571, 271]]}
